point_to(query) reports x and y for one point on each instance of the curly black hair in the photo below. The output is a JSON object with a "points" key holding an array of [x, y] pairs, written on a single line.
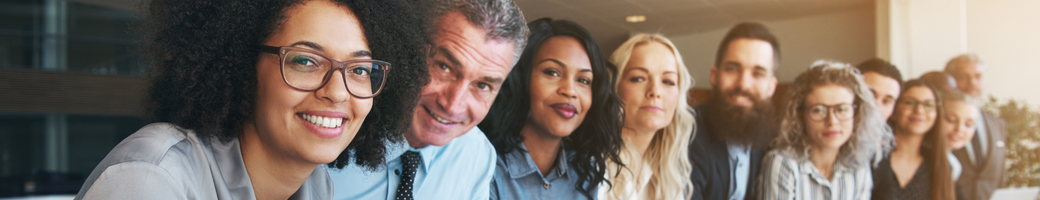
{"points": [[596, 140], [204, 75]]}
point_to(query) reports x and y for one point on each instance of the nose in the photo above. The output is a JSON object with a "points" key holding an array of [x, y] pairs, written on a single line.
{"points": [[566, 89], [832, 118], [335, 90], [744, 81], [652, 90], [454, 98]]}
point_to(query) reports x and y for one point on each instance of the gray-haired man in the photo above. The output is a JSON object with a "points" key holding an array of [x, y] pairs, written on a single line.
{"points": [[444, 156]]}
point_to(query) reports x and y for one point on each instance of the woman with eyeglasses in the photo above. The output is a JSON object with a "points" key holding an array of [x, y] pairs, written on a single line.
{"points": [[557, 120], [830, 132], [254, 98], [918, 167]]}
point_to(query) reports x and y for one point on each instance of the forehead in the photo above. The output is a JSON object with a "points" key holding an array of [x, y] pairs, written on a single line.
{"points": [[960, 108], [333, 27], [829, 94], [652, 56], [919, 93], [880, 82], [469, 45], [563, 47], [969, 67], [750, 53]]}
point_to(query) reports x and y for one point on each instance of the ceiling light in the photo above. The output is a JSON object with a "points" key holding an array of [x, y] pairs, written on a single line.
{"points": [[635, 18]]}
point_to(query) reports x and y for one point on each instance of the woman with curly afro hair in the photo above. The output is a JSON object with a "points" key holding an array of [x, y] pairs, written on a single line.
{"points": [[254, 98]]}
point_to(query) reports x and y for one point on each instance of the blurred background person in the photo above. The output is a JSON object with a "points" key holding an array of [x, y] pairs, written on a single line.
{"points": [[828, 136], [918, 167], [941, 80], [884, 81], [254, 105], [957, 124], [653, 82], [983, 157], [737, 122], [556, 120]]}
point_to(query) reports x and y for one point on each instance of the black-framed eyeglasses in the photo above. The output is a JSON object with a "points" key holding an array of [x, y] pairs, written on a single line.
{"points": [[820, 112], [928, 105], [309, 70]]}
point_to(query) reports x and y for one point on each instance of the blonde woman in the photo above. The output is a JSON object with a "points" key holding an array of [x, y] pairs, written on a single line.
{"points": [[652, 82], [829, 135]]}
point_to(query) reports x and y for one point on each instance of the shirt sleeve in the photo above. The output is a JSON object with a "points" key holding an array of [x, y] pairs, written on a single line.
{"points": [[135, 180], [778, 180]]}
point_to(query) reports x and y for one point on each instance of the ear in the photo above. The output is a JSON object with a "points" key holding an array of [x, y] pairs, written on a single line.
{"points": [[711, 76]]}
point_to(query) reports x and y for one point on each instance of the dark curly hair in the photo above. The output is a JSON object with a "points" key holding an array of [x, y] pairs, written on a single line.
{"points": [[204, 75], [596, 140]]}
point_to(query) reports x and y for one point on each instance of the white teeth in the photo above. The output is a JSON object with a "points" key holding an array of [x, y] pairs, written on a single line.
{"points": [[443, 121], [325, 122]]}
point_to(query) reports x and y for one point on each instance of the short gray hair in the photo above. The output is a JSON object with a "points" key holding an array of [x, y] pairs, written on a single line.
{"points": [[968, 57], [500, 19]]}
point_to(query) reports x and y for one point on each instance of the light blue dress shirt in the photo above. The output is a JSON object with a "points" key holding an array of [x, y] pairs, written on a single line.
{"points": [[461, 169], [518, 177], [740, 167]]}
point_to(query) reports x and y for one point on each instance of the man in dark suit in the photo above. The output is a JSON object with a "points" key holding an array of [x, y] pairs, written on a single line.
{"points": [[736, 124], [983, 158]]}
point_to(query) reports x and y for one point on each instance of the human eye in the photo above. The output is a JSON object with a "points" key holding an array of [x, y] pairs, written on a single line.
{"points": [[304, 63], [444, 67], [759, 74], [636, 79], [361, 69], [817, 110], [551, 72], [668, 82], [585, 81], [845, 109], [929, 104], [729, 68], [484, 86]]}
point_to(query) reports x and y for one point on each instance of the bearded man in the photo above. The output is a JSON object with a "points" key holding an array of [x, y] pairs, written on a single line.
{"points": [[736, 125]]}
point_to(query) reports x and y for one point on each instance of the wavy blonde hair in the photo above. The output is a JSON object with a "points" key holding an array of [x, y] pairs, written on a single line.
{"points": [[868, 130], [667, 154]]}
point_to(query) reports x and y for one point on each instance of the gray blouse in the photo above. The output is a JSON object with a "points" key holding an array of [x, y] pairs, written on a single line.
{"points": [[163, 161]]}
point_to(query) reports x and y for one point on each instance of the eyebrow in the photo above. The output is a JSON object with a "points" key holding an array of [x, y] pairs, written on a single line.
{"points": [[316, 46], [562, 65], [447, 54]]}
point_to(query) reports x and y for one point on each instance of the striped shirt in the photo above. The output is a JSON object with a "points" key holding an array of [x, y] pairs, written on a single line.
{"points": [[784, 177]]}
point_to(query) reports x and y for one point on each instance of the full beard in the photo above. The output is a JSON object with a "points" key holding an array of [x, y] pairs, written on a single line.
{"points": [[739, 125]]}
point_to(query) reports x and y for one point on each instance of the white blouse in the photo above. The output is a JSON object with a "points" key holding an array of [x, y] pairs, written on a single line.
{"points": [[790, 178]]}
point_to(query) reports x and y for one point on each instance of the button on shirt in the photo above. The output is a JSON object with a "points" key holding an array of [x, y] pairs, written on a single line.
{"points": [[739, 168], [518, 177], [461, 169]]}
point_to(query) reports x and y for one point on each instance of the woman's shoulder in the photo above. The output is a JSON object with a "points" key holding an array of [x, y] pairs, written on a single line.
{"points": [[152, 143], [781, 159]]}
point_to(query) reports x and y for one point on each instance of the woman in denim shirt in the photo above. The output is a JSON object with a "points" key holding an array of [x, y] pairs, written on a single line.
{"points": [[557, 120]]}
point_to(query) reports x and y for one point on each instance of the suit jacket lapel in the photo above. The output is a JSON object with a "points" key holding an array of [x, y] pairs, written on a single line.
{"points": [[962, 156]]}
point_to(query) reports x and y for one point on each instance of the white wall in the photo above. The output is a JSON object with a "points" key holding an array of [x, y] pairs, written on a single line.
{"points": [[846, 36], [1006, 34], [925, 34]]}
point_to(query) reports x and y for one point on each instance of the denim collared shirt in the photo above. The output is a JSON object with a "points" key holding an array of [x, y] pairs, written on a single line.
{"points": [[462, 169], [518, 177]]}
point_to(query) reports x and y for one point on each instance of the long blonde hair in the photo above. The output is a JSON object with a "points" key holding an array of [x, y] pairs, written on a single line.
{"points": [[667, 154]]}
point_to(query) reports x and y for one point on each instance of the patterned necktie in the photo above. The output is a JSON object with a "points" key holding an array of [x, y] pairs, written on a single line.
{"points": [[404, 188]]}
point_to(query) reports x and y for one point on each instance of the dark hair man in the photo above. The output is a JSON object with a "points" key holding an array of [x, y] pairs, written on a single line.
{"points": [[736, 124]]}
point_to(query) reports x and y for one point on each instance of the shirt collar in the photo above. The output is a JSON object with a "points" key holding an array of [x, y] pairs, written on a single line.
{"points": [[429, 153], [808, 168], [521, 164]]}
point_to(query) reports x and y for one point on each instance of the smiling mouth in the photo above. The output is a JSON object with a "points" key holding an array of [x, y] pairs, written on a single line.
{"points": [[439, 119], [565, 110], [322, 121]]}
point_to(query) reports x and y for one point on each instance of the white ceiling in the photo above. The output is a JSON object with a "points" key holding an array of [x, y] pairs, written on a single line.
{"points": [[605, 19]]}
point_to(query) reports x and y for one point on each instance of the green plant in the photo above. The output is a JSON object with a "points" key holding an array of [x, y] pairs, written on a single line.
{"points": [[1023, 141]]}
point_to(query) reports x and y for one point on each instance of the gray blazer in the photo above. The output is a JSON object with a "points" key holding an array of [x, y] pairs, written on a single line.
{"points": [[163, 161], [978, 183]]}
